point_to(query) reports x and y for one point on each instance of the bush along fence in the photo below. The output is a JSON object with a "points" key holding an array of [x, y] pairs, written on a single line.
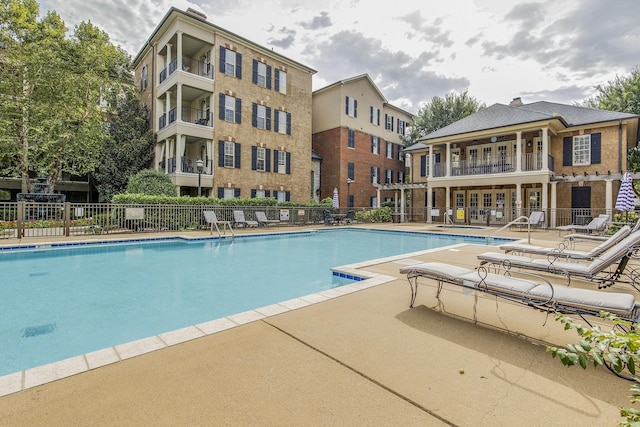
{"points": [[139, 213]]}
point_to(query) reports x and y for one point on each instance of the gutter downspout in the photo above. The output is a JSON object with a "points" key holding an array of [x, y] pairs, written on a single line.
{"points": [[620, 156]]}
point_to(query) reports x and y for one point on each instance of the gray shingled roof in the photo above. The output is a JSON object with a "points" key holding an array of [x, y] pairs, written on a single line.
{"points": [[499, 115]]}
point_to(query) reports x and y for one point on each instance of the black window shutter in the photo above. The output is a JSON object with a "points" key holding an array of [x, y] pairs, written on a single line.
{"points": [[220, 192], [223, 52], [371, 174], [267, 161], [275, 160], [377, 175], [254, 74], [276, 122], [267, 193], [254, 158], [391, 124], [288, 160], [238, 110], [287, 196], [254, 115], [238, 65], [346, 108], [371, 114], [221, 153], [378, 118], [355, 108], [277, 81], [221, 99], [423, 165], [268, 76], [237, 155], [437, 158], [373, 148], [288, 123], [268, 119], [236, 192], [385, 120], [595, 148], [567, 151], [253, 193]]}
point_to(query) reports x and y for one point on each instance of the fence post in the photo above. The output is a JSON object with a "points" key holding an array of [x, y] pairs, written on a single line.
{"points": [[67, 219], [20, 220]]}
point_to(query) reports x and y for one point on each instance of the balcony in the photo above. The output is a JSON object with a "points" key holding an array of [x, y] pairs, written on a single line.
{"points": [[493, 165], [189, 65], [188, 165], [188, 115]]}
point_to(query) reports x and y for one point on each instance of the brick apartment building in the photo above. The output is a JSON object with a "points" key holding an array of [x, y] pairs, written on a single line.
{"points": [[238, 110]]}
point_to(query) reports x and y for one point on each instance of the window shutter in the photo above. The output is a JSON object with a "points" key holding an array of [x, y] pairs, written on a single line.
{"points": [[346, 108], [267, 193], [236, 192], [371, 114], [377, 175], [437, 158], [287, 196], [595, 148], [238, 110], [268, 119], [223, 53], [373, 148], [378, 118], [567, 151], [275, 160], [288, 160], [276, 122], [253, 193], [391, 124], [372, 174], [220, 192], [355, 108], [221, 99], [423, 165], [238, 65], [288, 123], [254, 74], [277, 81], [237, 155], [385, 120], [254, 115], [268, 76], [221, 153], [350, 170], [267, 161], [254, 158]]}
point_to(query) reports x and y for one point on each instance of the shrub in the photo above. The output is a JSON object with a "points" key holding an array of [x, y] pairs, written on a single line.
{"points": [[374, 215], [151, 182], [622, 217]]}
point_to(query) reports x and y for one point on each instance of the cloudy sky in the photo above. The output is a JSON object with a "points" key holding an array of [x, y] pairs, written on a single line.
{"points": [[414, 49]]}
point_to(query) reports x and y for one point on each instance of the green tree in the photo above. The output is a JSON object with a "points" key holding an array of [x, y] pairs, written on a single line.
{"points": [[441, 112], [52, 114], [621, 94], [127, 150], [151, 183]]}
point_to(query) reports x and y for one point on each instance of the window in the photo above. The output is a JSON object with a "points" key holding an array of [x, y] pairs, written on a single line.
{"points": [[282, 122], [351, 108], [261, 159], [375, 175], [351, 170], [281, 82], [375, 144], [388, 176], [261, 74], [261, 117], [259, 194], [388, 122], [351, 143], [581, 150], [373, 202], [400, 176], [401, 127], [144, 77], [282, 162], [389, 150], [229, 193], [473, 157], [229, 154], [230, 62], [375, 116], [230, 108]]}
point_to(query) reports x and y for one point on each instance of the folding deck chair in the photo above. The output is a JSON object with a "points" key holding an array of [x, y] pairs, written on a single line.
{"points": [[211, 218]]}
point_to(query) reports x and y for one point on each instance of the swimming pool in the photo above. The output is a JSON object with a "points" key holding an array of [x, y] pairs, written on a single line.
{"points": [[70, 300]]}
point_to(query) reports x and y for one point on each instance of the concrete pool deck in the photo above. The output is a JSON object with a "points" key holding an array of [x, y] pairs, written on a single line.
{"points": [[361, 358]]}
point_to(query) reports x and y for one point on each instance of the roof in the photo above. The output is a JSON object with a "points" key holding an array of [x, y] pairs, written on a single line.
{"points": [[500, 115], [202, 19], [315, 156]]}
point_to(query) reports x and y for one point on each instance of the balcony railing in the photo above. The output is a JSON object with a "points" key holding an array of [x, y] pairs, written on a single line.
{"points": [[189, 65], [493, 165], [189, 115], [189, 165]]}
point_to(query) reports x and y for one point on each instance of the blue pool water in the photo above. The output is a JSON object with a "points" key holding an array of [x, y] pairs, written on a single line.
{"points": [[62, 302]]}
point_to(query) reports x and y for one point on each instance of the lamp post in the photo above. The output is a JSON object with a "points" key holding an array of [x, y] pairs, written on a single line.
{"points": [[349, 181], [200, 165]]}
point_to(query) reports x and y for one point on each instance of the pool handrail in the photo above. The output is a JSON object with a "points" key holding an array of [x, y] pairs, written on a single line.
{"points": [[515, 221]]}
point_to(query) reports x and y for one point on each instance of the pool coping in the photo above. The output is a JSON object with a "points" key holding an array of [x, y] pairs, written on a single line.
{"points": [[39, 375]]}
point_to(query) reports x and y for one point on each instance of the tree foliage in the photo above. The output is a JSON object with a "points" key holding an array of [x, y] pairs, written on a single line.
{"points": [[128, 148], [151, 183], [441, 112], [621, 94], [52, 118]]}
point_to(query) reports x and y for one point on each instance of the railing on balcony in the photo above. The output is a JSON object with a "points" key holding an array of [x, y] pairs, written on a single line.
{"points": [[162, 121], [493, 165], [189, 165], [197, 116], [173, 115], [189, 65]]}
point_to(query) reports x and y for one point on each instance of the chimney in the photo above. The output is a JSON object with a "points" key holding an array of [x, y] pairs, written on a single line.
{"points": [[516, 102], [196, 13]]}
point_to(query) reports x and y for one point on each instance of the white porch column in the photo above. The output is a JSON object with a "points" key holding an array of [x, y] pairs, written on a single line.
{"points": [[402, 205], [430, 162], [169, 52], [179, 52], [447, 200], [448, 159], [554, 204], [167, 106], [545, 200], [545, 149], [608, 196], [179, 152], [377, 197], [171, 153], [519, 151], [209, 157], [518, 200], [179, 103], [429, 203]]}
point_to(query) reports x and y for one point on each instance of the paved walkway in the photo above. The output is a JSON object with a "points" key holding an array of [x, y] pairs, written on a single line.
{"points": [[363, 358]]}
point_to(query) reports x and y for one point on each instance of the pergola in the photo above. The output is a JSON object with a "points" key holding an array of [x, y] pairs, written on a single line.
{"points": [[398, 187]]}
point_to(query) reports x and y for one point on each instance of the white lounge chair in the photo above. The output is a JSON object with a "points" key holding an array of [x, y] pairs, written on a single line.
{"points": [[597, 225], [263, 220], [563, 252], [602, 269], [239, 220], [212, 219]]}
